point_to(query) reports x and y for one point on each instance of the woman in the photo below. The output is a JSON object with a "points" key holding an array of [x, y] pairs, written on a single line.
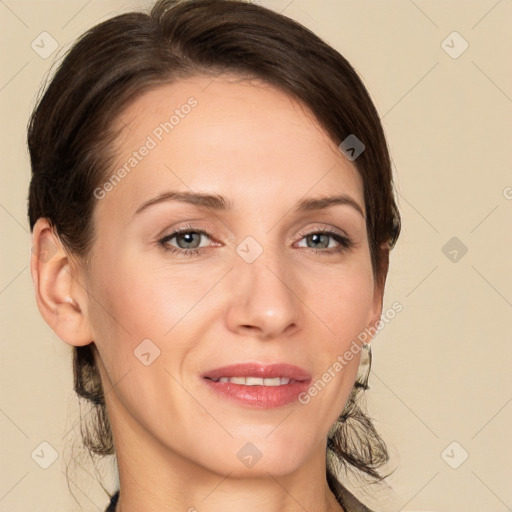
{"points": [[212, 213]]}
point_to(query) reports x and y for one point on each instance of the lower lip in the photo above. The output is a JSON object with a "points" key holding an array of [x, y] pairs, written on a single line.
{"points": [[263, 397]]}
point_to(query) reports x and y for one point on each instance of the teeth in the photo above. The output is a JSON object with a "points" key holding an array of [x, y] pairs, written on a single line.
{"points": [[255, 381]]}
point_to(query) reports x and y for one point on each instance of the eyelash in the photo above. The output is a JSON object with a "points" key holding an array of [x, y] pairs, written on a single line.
{"points": [[345, 242]]}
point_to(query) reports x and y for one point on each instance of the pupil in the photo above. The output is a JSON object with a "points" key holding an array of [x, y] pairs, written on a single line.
{"points": [[188, 236], [316, 237]]}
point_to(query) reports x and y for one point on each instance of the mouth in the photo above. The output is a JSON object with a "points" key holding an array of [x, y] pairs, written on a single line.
{"points": [[258, 385], [252, 374], [255, 381]]}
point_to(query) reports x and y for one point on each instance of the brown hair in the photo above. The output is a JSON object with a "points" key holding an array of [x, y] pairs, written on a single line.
{"points": [[71, 140]]}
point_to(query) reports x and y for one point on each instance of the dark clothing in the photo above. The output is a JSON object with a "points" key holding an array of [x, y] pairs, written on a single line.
{"points": [[351, 504], [113, 503], [348, 501]]}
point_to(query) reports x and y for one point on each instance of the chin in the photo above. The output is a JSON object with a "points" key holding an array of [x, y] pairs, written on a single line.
{"points": [[257, 459]]}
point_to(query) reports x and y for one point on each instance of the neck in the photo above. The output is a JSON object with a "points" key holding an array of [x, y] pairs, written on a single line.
{"points": [[154, 478], [249, 498]]}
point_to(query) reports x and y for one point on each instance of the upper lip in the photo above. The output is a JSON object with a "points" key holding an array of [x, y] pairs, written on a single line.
{"points": [[265, 371]]}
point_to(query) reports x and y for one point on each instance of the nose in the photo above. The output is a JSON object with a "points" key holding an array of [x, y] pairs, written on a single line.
{"points": [[266, 299]]}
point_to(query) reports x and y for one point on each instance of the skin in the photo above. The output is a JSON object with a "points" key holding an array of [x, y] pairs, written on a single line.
{"points": [[176, 440]]}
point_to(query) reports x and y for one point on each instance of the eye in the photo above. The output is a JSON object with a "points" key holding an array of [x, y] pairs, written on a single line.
{"points": [[188, 240], [320, 240]]}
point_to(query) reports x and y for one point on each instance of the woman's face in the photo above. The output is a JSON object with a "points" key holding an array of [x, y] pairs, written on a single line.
{"points": [[260, 284]]}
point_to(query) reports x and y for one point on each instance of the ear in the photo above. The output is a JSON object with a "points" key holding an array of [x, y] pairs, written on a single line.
{"points": [[60, 297], [378, 292]]}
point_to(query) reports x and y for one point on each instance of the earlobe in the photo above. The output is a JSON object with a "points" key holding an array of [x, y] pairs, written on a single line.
{"points": [[60, 297]]}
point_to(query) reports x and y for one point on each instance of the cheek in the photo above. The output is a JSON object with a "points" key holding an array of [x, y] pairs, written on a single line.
{"points": [[121, 307], [346, 303], [128, 299], [132, 304]]}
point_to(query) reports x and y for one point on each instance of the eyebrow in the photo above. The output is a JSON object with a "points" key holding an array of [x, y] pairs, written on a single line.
{"points": [[218, 202]]}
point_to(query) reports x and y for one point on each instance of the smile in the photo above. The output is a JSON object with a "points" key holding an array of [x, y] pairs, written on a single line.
{"points": [[255, 381]]}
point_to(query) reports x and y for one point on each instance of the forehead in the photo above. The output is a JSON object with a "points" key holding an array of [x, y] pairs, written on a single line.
{"points": [[238, 137]]}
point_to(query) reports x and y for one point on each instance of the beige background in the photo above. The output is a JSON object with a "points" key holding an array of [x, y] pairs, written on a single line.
{"points": [[441, 367]]}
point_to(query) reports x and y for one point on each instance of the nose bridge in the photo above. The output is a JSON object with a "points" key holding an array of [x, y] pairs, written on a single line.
{"points": [[265, 297]]}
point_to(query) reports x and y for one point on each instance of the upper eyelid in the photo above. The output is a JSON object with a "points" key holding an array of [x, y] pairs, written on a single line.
{"points": [[328, 230], [172, 234]]}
